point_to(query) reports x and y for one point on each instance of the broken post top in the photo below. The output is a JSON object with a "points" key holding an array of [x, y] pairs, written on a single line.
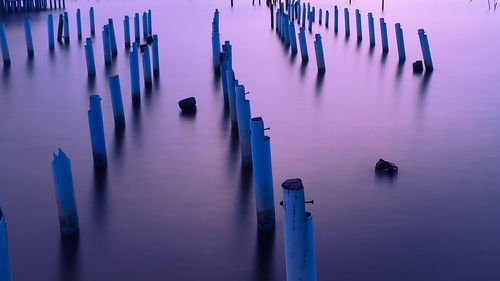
{"points": [[293, 184], [61, 157], [1, 215], [257, 119]]}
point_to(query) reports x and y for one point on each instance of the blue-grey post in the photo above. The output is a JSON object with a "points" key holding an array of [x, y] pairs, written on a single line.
{"points": [[92, 23], [216, 49], [156, 57], [286, 30], [5, 271], [137, 28], [106, 45], [304, 15], [262, 174], [65, 194], [347, 26], [89, 55], [97, 132], [223, 64], [327, 18], [320, 16], [50, 28], [298, 233], [358, 25], [64, 4], [303, 44], [134, 74], [231, 85], [227, 49], [126, 31], [66, 27], [400, 42], [29, 39], [5, 46], [116, 100], [336, 19], [298, 13], [112, 37], [426, 51], [146, 67], [383, 31], [310, 23], [320, 59], [308, 10], [243, 112], [293, 37], [79, 23], [145, 25], [150, 27], [371, 29]]}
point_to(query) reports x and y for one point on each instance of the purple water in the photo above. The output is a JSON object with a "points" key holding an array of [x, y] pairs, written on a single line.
{"points": [[175, 203]]}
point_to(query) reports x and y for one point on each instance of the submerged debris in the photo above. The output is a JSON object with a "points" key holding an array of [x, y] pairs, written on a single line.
{"points": [[188, 105], [418, 66], [385, 167]]}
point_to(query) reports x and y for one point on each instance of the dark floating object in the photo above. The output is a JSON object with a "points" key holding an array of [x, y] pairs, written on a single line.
{"points": [[149, 39], [142, 47], [385, 167], [418, 66], [188, 105]]}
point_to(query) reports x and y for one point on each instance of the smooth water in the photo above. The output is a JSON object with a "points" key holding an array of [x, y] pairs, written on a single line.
{"points": [[176, 204]]}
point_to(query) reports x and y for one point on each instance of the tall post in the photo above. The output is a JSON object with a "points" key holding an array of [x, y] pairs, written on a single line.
{"points": [[146, 66], [134, 74], [92, 23], [320, 59], [336, 19], [303, 44], [272, 16], [145, 26], [298, 13], [293, 37], [371, 29], [243, 112], [286, 30], [347, 26], [231, 85], [126, 31], [60, 28], [106, 45], [383, 31], [29, 39], [400, 42], [5, 271], [327, 18], [156, 57], [79, 23], [262, 174], [112, 38], [304, 15], [310, 22], [226, 64], [97, 132], [89, 55], [137, 28], [150, 26], [5, 46], [426, 51], [116, 100], [216, 49], [66, 27], [50, 28], [298, 233], [65, 194], [358, 25], [320, 16]]}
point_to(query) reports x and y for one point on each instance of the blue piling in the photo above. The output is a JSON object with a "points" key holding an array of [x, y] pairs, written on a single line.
{"points": [[145, 25], [5, 271], [347, 26], [89, 55], [5, 46], [150, 26], [50, 28], [66, 27], [320, 59], [134, 74], [243, 112], [358, 25], [146, 67], [327, 18], [223, 69], [156, 57], [227, 49], [216, 49], [308, 10], [383, 31], [400, 42], [304, 15], [65, 194], [293, 37], [286, 30], [298, 233], [371, 29], [310, 23], [92, 23], [79, 23], [320, 16], [426, 51], [64, 4], [97, 132], [116, 100], [137, 28], [29, 39], [262, 174], [106, 45], [303, 44], [336, 19], [298, 13], [112, 37], [313, 14], [126, 31], [231, 84]]}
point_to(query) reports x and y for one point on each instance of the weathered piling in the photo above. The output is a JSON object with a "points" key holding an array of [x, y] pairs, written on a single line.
{"points": [[92, 22], [243, 112], [358, 25], [116, 101], [383, 31], [145, 26], [426, 51], [65, 194], [50, 28], [137, 28], [112, 38], [293, 37], [320, 16], [262, 174], [347, 26], [327, 18], [89, 55], [5, 46], [216, 49], [400, 42], [126, 31], [298, 12], [286, 30], [150, 24], [309, 27], [271, 8], [303, 44], [5, 271], [134, 74], [313, 14], [371, 29], [298, 233], [320, 59], [304, 15], [336, 19], [156, 57], [226, 64], [97, 132], [106, 45], [231, 85], [29, 39], [66, 27], [60, 28], [79, 23], [146, 67]]}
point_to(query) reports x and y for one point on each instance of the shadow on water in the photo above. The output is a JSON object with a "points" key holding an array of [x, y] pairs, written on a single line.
{"points": [[264, 255], [6, 76], [29, 64], [136, 119], [69, 258], [215, 82], [100, 196], [370, 51], [320, 78], [383, 59]]}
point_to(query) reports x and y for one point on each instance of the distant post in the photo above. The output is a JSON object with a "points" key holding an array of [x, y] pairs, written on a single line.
{"points": [[97, 132]]}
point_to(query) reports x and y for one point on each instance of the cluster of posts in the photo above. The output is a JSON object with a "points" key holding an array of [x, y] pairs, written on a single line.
{"points": [[17, 6], [255, 149]]}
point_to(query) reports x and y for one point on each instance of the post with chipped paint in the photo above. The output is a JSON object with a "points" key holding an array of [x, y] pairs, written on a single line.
{"points": [[134, 74], [383, 31], [243, 112], [97, 133], [29, 39], [50, 33], [117, 102], [400, 42]]}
